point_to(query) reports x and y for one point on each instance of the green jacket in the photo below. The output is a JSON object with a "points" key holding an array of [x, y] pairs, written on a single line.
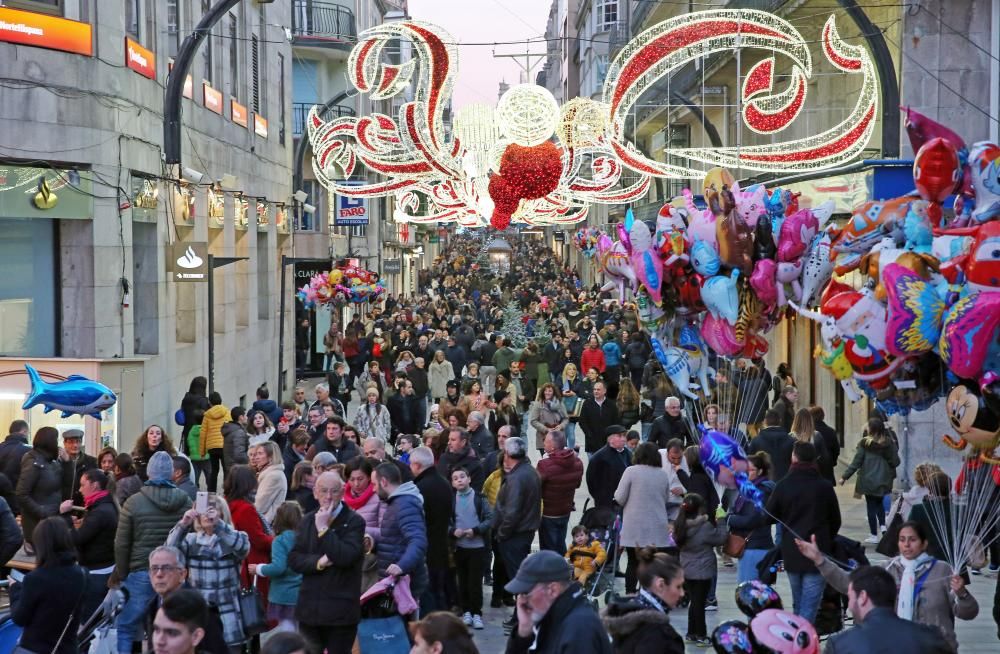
{"points": [[875, 462], [502, 358], [143, 524], [194, 444]]}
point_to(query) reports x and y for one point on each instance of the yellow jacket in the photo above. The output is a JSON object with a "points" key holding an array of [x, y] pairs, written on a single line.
{"points": [[211, 428], [589, 558], [491, 487]]}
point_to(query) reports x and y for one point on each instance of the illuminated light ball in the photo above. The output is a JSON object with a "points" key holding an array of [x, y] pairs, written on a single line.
{"points": [[528, 114], [582, 122], [477, 128]]}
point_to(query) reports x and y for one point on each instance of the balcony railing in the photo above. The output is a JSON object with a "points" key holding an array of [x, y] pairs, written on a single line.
{"points": [[323, 24], [300, 111], [619, 36]]}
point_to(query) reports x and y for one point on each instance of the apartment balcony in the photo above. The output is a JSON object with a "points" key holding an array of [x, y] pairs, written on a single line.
{"points": [[300, 111], [323, 26], [619, 35]]}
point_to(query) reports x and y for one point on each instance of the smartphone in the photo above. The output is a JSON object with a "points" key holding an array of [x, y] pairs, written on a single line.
{"points": [[201, 502]]}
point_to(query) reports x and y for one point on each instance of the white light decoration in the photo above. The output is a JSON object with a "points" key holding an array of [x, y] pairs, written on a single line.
{"points": [[434, 178]]}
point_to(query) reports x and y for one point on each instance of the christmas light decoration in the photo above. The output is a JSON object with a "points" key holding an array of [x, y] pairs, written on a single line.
{"points": [[500, 164]]}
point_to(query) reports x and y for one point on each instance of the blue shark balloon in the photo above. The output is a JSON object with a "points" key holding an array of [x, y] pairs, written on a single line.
{"points": [[76, 395]]}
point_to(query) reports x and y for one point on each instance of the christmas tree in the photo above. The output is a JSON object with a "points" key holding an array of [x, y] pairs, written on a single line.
{"points": [[513, 326], [540, 334]]}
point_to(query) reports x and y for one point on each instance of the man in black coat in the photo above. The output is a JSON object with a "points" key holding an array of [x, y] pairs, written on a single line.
{"points": [[73, 444], [606, 467], [438, 500], [671, 425], [597, 414], [830, 440], [871, 598], [12, 451], [329, 554], [407, 412], [460, 453], [808, 505], [457, 357], [774, 440]]}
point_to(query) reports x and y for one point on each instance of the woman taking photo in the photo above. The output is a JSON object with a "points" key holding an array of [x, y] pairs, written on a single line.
{"points": [[547, 413], [875, 462], [46, 480], [929, 590], [641, 624], [153, 440], [214, 552], [272, 485], [48, 608], [751, 522]]}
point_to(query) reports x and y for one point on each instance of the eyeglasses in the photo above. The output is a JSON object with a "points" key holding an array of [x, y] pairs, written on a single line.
{"points": [[163, 569]]}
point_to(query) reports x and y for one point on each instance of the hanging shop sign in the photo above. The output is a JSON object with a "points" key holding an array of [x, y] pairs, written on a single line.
{"points": [[29, 192], [238, 113], [216, 207], [188, 82], [188, 262], [560, 237], [263, 215], [392, 266], [140, 59], [44, 31], [350, 211], [242, 212], [260, 126], [213, 99], [145, 199]]}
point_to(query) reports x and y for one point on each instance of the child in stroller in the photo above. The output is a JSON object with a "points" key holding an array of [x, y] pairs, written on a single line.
{"points": [[585, 555], [601, 526]]}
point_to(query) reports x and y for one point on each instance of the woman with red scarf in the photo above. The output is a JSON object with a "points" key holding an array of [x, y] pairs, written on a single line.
{"points": [[94, 535], [360, 494]]}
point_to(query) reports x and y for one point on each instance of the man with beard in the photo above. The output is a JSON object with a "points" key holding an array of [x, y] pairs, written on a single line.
{"points": [[402, 542]]}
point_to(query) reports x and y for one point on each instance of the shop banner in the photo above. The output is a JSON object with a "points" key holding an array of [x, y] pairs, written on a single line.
{"points": [[350, 211], [213, 99], [44, 31], [239, 113], [28, 192], [188, 262], [260, 126], [392, 266], [140, 59]]}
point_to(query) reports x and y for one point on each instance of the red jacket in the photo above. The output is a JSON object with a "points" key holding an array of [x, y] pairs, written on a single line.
{"points": [[592, 358], [246, 518], [561, 473]]}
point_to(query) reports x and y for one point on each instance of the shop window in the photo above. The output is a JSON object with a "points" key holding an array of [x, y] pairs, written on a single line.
{"points": [[145, 288], [29, 288], [42, 6], [263, 278]]}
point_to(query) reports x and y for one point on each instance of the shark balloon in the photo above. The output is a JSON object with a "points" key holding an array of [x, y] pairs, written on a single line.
{"points": [[76, 395]]}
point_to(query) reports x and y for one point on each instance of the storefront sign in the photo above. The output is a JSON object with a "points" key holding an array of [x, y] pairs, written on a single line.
{"points": [[281, 219], [188, 82], [560, 237], [213, 99], [350, 211], [260, 126], [216, 207], [44, 31], [145, 199], [28, 192], [140, 59], [392, 266], [242, 209], [188, 262], [263, 215], [238, 113]]}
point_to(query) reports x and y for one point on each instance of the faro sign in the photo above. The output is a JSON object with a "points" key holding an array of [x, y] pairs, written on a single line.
{"points": [[350, 211]]}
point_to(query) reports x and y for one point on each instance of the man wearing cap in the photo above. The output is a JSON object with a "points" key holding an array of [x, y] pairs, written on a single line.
{"points": [[607, 466], [596, 415], [73, 444], [553, 614]]}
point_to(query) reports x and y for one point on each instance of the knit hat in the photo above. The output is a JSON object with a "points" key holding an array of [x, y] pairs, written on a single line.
{"points": [[160, 467]]}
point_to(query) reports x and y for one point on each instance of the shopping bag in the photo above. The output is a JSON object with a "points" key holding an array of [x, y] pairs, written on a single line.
{"points": [[383, 636]]}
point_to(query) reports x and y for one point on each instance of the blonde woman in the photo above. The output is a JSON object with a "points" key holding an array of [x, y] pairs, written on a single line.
{"points": [[372, 418], [438, 374], [272, 485], [804, 430], [548, 413], [571, 388], [916, 494]]}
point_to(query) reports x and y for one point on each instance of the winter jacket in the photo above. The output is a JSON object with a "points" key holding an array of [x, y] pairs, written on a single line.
{"points": [[95, 539], [439, 373], [612, 353], [235, 444], [503, 357], [458, 406], [371, 512], [13, 449], [403, 534], [637, 626], [595, 419], [465, 458], [10, 533], [636, 354], [482, 441], [808, 505], [883, 631], [211, 428], [285, 582], [144, 523], [484, 514], [570, 625], [875, 461], [936, 604], [193, 406], [644, 493], [491, 487], [194, 444], [141, 457], [329, 597], [832, 444], [604, 472], [248, 520], [747, 520], [42, 485], [545, 416], [437, 500], [519, 503], [126, 487], [269, 407], [48, 600], [373, 420], [407, 413], [786, 413], [560, 473], [272, 487], [778, 445], [345, 451], [699, 482], [458, 358], [214, 571], [593, 358], [697, 553], [665, 428]]}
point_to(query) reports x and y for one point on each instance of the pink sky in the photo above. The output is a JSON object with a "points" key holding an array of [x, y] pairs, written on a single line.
{"points": [[482, 21]]}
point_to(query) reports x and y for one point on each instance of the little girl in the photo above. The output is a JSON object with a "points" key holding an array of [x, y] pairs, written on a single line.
{"points": [[584, 557], [283, 594], [696, 537]]}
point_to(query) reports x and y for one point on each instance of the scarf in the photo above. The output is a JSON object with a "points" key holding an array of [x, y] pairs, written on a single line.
{"points": [[908, 590], [356, 502], [90, 500]]}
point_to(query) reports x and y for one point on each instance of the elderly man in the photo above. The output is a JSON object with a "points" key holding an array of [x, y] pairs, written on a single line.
{"points": [[518, 510], [670, 425], [168, 573], [607, 466], [553, 614], [437, 495], [490, 462], [374, 448], [329, 553], [480, 437], [596, 415], [73, 444], [561, 472]]}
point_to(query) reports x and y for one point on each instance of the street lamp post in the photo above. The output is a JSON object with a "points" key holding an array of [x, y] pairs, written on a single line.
{"points": [[213, 263]]}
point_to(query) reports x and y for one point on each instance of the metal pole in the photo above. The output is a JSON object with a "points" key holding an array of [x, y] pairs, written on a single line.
{"points": [[281, 329], [211, 323]]}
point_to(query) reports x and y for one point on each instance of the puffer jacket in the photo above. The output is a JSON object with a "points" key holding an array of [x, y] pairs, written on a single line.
{"points": [[272, 487], [95, 539], [285, 582], [612, 353], [235, 444], [403, 535], [697, 555], [636, 626], [211, 429], [561, 473], [875, 461], [519, 503], [144, 523], [43, 484]]}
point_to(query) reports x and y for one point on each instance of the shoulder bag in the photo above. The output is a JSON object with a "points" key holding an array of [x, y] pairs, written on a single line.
{"points": [[252, 612], [734, 545]]}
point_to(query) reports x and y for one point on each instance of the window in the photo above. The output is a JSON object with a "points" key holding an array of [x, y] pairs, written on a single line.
{"points": [[607, 14], [600, 70], [206, 46], [132, 18], [29, 288], [255, 72], [234, 57], [42, 6], [145, 288], [281, 99], [173, 28]]}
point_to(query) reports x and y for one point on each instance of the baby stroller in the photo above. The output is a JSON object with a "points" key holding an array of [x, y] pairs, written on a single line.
{"points": [[604, 525]]}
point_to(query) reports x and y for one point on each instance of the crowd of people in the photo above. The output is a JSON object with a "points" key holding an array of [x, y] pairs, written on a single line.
{"points": [[492, 425]]}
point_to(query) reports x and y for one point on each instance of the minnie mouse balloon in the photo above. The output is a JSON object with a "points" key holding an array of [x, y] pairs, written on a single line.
{"points": [[777, 631]]}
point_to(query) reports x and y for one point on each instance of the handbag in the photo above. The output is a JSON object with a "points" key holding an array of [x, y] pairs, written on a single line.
{"points": [[734, 545], [252, 612], [888, 545], [383, 636], [573, 406]]}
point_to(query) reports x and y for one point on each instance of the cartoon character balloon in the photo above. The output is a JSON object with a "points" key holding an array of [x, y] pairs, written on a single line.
{"points": [[775, 630], [732, 637], [976, 425], [721, 456], [721, 296], [755, 596], [984, 163]]}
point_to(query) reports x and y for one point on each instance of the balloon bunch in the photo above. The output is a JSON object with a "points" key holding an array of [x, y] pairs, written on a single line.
{"points": [[771, 629], [585, 240], [341, 286]]}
